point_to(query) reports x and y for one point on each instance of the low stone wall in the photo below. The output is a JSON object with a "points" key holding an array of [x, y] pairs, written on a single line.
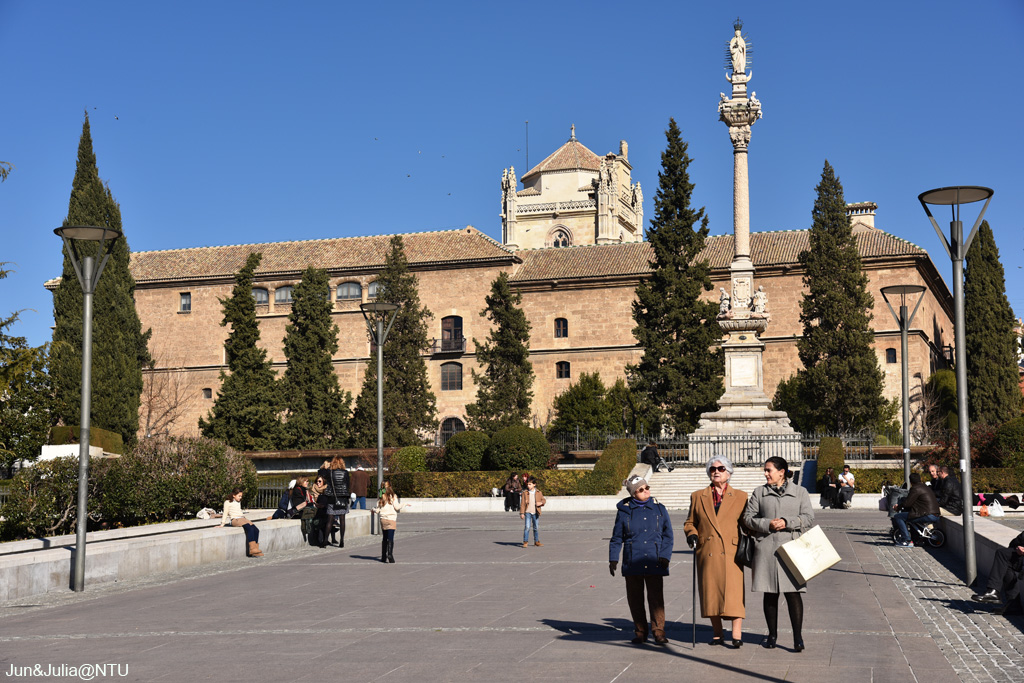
{"points": [[988, 537], [31, 572]]}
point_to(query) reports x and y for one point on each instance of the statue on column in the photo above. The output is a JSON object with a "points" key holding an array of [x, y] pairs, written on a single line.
{"points": [[738, 49], [724, 303], [761, 302]]}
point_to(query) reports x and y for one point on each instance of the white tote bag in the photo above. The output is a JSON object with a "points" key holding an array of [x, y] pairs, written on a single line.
{"points": [[809, 555]]}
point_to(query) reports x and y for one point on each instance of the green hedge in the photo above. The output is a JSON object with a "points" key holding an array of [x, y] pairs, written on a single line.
{"points": [[409, 459], [110, 442], [830, 454], [476, 484], [611, 469], [465, 451], [43, 499], [984, 480], [518, 448]]}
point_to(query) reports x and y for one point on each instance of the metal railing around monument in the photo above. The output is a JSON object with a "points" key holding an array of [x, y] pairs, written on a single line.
{"points": [[743, 450]]}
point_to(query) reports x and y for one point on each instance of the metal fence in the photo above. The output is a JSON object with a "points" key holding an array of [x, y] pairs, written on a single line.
{"points": [[269, 494], [5, 491]]}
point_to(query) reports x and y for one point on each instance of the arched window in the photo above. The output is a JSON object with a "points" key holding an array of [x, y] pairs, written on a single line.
{"points": [[350, 290], [450, 428], [283, 295], [890, 355], [373, 290], [261, 295], [562, 370], [561, 328], [451, 334], [451, 376], [561, 238]]}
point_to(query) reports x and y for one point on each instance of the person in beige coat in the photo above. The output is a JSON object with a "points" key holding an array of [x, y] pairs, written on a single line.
{"points": [[530, 503], [713, 529], [388, 507]]}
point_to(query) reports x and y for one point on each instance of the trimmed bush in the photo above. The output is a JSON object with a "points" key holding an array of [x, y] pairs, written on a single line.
{"points": [[830, 454], [167, 479], [517, 448], [614, 465], [409, 459], [110, 442], [1008, 444], [477, 484], [985, 480], [465, 451], [43, 499]]}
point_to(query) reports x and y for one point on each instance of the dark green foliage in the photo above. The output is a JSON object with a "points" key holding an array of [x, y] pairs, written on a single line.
{"points": [[517, 448], [993, 390], [119, 347], [985, 480], [479, 484], [246, 412], [841, 380], [611, 469], [675, 327], [410, 407], [43, 499], [941, 388], [830, 454], [167, 479], [638, 413], [947, 448], [109, 441], [464, 451], [1008, 443], [504, 391], [789, 398], [317, 409], [584, 406], [408, 459]]}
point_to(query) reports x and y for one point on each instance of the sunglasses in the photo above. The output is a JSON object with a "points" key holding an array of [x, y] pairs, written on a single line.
{"points": [[720, 468], [644, 488]]}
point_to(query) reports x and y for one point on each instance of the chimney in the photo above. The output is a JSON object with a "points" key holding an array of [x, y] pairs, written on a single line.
{"points": [[624, 149], [862, 215]]}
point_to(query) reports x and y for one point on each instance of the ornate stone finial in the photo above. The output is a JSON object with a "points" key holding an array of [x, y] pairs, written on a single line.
{"points": [[572, 132]]}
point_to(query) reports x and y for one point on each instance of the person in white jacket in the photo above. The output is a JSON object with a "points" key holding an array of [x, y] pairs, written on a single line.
{"points": [[388, 507]]}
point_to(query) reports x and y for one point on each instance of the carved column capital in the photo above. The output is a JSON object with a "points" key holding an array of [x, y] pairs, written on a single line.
{"points": [[740, 136]]}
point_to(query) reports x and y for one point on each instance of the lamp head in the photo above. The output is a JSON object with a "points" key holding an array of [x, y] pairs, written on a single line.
{"points": [[955, 195], [87, 233]]}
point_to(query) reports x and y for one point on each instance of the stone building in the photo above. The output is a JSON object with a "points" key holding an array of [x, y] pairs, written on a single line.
{"points": [[572, 244]]}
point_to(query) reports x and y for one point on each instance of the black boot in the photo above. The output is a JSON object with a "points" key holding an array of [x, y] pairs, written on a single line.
{"points": [[391, 551], [384, 549]]}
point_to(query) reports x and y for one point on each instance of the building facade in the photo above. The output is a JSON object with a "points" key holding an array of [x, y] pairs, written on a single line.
{"points": [[573, 247]]}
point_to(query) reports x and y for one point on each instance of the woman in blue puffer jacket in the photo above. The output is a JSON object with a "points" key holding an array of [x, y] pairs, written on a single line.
{"points": [[643, 531]]}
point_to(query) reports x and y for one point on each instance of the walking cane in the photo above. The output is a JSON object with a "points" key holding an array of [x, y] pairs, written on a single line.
{"points": [[693, 602]]}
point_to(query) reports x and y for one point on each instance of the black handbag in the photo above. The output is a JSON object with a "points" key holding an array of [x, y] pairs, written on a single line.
{"points": [[745, 551]]}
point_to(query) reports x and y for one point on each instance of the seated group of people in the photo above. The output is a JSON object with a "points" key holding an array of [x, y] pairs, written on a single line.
{"points": [[837, 491]]}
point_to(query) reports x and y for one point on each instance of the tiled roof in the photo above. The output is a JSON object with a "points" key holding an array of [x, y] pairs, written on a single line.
{"points": [[569, 157], [633, 258], [446, 246]]}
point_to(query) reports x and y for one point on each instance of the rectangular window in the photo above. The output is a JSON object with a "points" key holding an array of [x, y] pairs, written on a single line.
{"points": [[561, 328], [451, 377], [186, 303], [562, 370]]}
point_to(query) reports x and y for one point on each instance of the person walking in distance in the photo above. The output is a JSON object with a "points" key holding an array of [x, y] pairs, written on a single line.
{"points": [[359, 480], [530, 504], [388, 507]]}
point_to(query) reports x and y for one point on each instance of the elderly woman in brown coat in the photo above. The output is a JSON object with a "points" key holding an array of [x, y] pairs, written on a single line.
{"points": [[713, 529]]}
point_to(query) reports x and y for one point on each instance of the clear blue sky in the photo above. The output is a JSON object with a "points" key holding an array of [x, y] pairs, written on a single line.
{"points": [[235, 122]]}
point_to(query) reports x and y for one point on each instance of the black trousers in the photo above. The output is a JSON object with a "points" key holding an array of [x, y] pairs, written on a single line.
{"points": [[1005, 573], [655, 585]]}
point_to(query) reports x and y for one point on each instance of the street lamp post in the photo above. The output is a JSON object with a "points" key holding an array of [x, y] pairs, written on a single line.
{"points": [[956, 248], [376, 313], [902, 291], [88, 269]]}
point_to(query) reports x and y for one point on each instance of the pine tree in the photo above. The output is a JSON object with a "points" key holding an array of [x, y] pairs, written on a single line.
{"points": [[840, 381], [246, 414], [317, 409], [119, 347], [410, 408], [504, 389], [584, 406], [680, 370], [993, 392]]}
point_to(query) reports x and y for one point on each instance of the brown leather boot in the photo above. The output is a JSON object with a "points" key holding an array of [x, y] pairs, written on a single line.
{"points": [[254, 549]]}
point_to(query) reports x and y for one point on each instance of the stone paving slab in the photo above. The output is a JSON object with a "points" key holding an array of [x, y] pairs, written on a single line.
{"points": [[466, 603]]}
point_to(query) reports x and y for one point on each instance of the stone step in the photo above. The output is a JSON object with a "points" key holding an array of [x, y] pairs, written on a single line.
{"points": [[673, 489]]}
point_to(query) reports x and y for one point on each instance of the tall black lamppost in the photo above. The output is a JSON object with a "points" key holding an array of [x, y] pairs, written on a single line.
{"points": [[88, 268], [956, 247], [376, 314], [902, 291]]}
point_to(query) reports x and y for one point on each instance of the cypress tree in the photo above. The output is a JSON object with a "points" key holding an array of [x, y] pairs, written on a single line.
{"points": [[680, 370], [410, 408], [993, 392], [246, 414], [317, 410], [119, 347], [584, 405], [841, 382], [504, 389]]}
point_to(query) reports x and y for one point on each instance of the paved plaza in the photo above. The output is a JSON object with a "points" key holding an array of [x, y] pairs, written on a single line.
{"points": [[465, 602]]}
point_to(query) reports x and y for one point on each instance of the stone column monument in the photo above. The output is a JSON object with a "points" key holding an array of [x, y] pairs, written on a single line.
{"points": [[743, 413]]}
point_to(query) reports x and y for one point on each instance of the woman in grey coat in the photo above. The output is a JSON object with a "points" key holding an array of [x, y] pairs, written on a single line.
{"points": [[778, 512]]}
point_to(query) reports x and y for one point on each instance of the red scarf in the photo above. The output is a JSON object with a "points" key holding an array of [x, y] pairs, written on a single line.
{"points": [[718, 497]]}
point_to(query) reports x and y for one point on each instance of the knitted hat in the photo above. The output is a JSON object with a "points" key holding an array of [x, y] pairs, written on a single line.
{"points": [[633, 483]]}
